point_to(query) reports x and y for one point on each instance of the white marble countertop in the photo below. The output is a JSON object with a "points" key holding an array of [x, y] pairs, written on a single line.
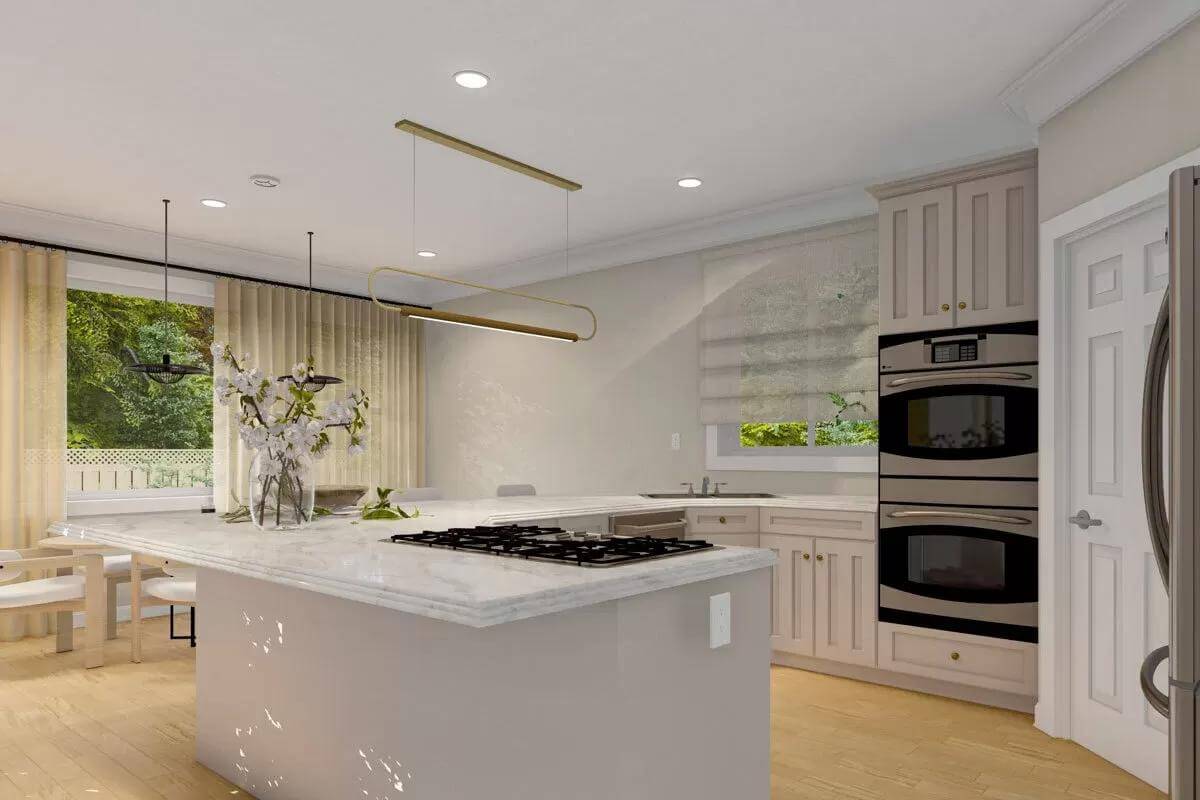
{"points": [[343, 556]]}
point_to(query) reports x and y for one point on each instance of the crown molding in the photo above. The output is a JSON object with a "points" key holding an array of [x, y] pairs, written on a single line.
{"points": [[1111, 40], [1026, 159]]}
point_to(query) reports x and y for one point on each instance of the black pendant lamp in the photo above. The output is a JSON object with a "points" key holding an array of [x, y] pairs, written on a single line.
{"points": [[166, 371], [313, 383]]}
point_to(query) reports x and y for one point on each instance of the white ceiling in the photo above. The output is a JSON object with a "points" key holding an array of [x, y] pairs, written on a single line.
{"points": [[109, 107]]}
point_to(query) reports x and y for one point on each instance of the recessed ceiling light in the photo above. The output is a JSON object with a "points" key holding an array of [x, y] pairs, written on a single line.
{"points": [[426, 253], [471, 79], [689, 183], [212, 202], [264, 181]]}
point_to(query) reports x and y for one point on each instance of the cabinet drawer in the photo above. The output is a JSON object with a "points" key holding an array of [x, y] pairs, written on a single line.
{"points": [[722, 520], [959, 657], [825, 524], [728, 539]]}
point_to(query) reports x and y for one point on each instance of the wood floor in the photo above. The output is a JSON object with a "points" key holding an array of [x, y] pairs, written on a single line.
{"points": [[126, 731]]}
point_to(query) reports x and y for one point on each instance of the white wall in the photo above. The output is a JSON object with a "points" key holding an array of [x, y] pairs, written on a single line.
{"points": [[588, 418], [1145, 115]]}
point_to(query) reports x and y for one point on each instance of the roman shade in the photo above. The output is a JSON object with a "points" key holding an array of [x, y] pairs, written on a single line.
{"points": [[789, 320], [352, 339]]}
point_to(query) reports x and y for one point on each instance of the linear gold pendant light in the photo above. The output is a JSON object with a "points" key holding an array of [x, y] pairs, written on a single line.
{"points": [[479, 322], [450, 317]]}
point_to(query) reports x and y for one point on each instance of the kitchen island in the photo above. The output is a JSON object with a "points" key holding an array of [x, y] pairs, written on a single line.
{"points": [[333, 664]]}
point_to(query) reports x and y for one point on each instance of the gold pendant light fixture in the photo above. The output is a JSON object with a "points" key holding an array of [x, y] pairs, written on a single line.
{"points": [[434, 315]]}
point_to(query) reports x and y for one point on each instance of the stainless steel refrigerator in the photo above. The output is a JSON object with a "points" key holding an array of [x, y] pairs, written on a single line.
{"points": [[1170, 474]]}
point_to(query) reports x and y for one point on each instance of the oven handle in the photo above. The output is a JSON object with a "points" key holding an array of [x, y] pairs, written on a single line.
{"points": [[941, 376], [973, 515]]}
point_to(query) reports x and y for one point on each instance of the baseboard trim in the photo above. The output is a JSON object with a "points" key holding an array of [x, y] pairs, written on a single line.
{"points": [[913, 683]]}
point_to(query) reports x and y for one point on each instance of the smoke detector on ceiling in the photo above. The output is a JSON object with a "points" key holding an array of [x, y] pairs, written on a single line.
{"points": [[264, 181]]}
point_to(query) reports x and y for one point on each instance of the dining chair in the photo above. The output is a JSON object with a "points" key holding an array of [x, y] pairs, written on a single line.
{"points": [[176, 587], [65, 591], [515, 490]]}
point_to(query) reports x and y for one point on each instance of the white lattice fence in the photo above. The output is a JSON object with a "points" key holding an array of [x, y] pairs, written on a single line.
{"points": [[117, 470]]}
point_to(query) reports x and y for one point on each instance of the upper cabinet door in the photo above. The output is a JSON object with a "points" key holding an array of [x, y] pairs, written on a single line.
{"points": [[997, 249], [916, 261]]}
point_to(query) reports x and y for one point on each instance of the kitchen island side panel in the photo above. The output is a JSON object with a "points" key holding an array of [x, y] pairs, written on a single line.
{"points": [[301, 695]]}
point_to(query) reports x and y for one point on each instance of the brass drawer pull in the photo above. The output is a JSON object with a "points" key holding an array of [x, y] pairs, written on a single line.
{"points": [[806, 556], [962, 306], [945, 306], [955, 656], [721, 520], [820, 557]]}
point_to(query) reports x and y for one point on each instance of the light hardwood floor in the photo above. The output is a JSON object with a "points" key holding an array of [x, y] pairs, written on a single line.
{"points": [[125, 731]]}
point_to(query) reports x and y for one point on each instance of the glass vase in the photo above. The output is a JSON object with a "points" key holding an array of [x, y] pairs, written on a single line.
{"points": [[282, 492]]}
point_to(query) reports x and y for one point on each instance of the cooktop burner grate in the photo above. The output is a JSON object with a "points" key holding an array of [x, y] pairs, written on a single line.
{"points": [[553, 544]]}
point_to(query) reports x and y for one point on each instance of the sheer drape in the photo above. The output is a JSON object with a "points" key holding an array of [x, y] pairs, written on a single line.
{"points": [[33, 405], [789, 320], [377, 350]]}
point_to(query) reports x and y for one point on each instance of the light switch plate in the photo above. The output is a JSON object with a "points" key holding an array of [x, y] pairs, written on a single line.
{"points": [[719, 633]]}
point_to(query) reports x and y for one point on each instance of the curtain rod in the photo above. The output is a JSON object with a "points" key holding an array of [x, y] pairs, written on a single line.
{"points": [[180, 267]]}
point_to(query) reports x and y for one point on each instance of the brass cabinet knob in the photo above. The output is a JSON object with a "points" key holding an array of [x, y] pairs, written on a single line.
{"points": [[955, 656], [721, 520], [962, 305], [945, 306], [806, 556], [820, 557]]}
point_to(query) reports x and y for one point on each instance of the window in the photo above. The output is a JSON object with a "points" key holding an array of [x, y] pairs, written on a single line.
{"points": [[834, 432], [788, 351], [129, 438]]}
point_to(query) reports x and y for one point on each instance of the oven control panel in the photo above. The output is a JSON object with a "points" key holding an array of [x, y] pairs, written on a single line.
{"points": [[953, 352]]}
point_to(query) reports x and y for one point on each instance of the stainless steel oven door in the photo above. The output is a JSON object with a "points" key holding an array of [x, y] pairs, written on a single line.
{"points": [[972, 570], [979, 423]]}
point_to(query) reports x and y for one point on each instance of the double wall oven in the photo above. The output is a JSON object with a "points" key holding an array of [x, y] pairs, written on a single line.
{"points": [[958, 480]]}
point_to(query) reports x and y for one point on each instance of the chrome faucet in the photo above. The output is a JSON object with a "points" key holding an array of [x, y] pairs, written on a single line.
{"points": [[704, 487]]}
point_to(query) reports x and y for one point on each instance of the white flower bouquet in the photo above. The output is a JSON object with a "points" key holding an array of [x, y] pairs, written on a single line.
{"points": [[279, 421]]}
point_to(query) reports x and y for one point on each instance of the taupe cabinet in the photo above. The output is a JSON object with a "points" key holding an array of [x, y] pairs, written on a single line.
{"points": [[959, 248], [822, 588]]}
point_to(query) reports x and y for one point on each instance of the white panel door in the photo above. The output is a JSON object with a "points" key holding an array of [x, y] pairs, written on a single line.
{"points": [[845, 586], [1118, 603]]}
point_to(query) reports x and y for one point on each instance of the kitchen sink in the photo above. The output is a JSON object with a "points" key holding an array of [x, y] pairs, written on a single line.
{"points": [[686, 496]]}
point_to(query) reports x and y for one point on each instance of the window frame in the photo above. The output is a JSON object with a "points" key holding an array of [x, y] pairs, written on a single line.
{"points": [[111, 276], [724, 451]]}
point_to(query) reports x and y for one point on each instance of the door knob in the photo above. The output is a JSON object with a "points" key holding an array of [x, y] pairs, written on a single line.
{"points": [[1084, 520]]}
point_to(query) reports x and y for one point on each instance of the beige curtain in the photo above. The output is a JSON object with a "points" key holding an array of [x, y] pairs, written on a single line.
{"points": [[377, 350], [33, 405], [787, 321]]}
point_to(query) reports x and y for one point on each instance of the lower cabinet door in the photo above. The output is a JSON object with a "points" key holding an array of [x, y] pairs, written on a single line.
{"points": [[845, 600], [792, 614]]}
